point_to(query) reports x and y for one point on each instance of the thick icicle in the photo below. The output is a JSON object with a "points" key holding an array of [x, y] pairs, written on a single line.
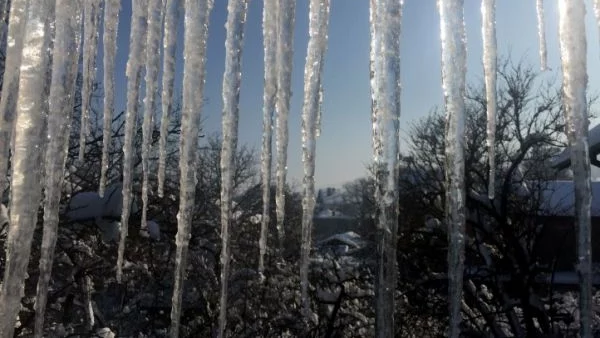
{"points": [[90, 50], [134, 77], [10, 85], [386, 19], [286, 16], [169, 45], [490, 65], [232, 78], [31, 112], [62, 92], [573, 51], [454, 55], [317, 45], [111, 23], [539, 5], [270, 90], [197, 13], [155, 14]]}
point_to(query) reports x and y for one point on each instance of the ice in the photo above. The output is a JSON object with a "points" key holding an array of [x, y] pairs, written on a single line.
{"points": [[270, 11], [573, 51], [134, 77], [197, 13], [315, 56], [111, 23], [232, 77], [454, 56], [155, 17], [10, 85], [386, 18], [539, 5], [90, 50], [490, 66], [286, 16], [26, 189], [62, 89], [169, 44]]}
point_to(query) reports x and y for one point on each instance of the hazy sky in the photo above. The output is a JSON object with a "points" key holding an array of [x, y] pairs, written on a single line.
{"points": [[345, 143]]}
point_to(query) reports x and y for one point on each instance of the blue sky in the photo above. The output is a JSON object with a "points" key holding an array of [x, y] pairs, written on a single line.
{"points": [[344, 147]]}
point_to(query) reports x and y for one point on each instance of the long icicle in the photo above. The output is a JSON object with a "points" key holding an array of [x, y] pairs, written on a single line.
{"points": [[62, 93], [197, 13], [386, 20], [155, 15], [232, 78], [31, 112], [134, 78], [454, 55], [317, 45], [539, 5], [111, 23], [286, 16], [490, 66], [170, 47], [573, 52], [270, 90], [10, 85], [91, 25]]}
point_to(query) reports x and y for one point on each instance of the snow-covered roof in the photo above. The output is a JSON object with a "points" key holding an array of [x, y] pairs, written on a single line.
{"points": [[331, 213], [558, 198], [350, 238], [563, 160]]}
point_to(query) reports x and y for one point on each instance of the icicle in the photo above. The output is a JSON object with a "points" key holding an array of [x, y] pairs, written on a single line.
{"points": [[232, 77], [573, 52], [28, 141], [317, 45], [169, 45], [454, 56], [319, 112], [10, 85], [539, 4], [270, 90], [152, 63], [197, 13], [386, 18], [111, 23], [62, 92], [90, 50], [490, 66], [134, 77], [286, 16]]}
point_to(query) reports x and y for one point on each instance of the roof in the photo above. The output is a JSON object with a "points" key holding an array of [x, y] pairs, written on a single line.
{"points": [[559, 198], [563, 160]]}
